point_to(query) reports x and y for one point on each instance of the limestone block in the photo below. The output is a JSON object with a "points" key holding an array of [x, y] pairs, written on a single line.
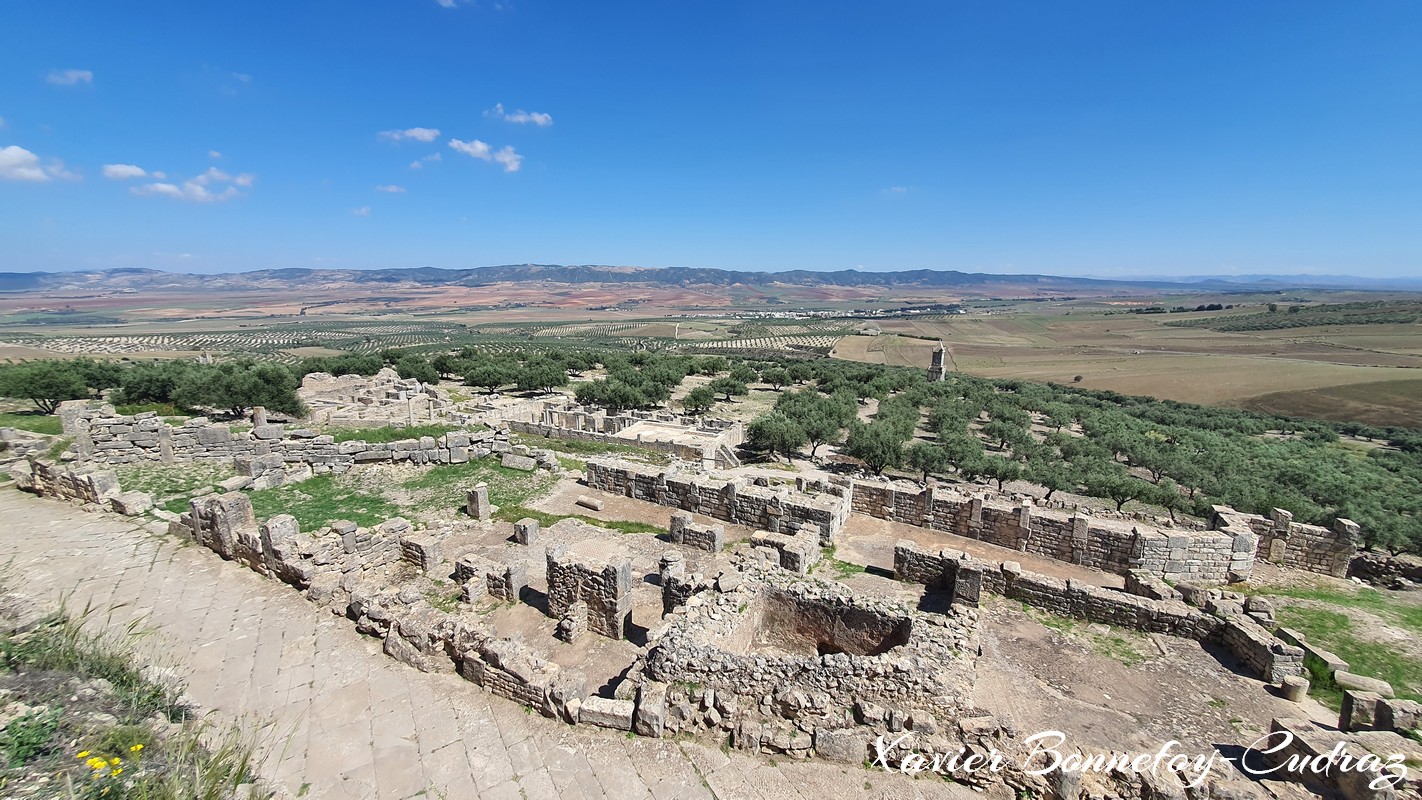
{"points": [[604, 713], [651, 715], [1348, 680], [131, 504], [526, 531], [515, 461], [1358, 711], [845, 746], [235, 483]]}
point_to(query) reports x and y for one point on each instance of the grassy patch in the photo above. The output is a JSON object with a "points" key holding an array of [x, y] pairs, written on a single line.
{"points": [[1334, 631], [391, 433], [444, 486], [172, 485], [545, 519], [446, 600], [32, 421], [584, 448], [1121, 645], [87, 738], [57, 449], [322, 500], [1364, 598]]}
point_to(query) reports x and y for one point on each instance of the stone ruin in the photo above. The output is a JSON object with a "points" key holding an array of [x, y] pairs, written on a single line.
{"points": [[780, 656], [591, 581], [708, 443], [382, 399], [749, 647], [683, 530]]}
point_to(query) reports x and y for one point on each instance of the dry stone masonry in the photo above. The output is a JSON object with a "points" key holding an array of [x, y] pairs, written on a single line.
{"points": [[597, 574], [734, 501]]}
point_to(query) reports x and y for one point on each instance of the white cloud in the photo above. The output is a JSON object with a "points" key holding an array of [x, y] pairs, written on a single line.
{"points": [[19, 164], [506, 156], [448, 3], [897, 190], [363, 211], [421, 162], [476, 148], [122, 172], [520, 117], [2, 122], [391, 188], [213, 154], [69, 77], [191, 191], [415, 134], [201, 189]]}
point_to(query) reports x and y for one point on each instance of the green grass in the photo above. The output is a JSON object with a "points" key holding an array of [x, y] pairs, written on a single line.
{"points": [[322, 500], [444, 600], [545, 519], [32, 421], [80, 755], [584, 448], [57, 449], [1334, 631], [391, 433], [1118, 644], [1406, 615], [172, 485], [444, 486]]}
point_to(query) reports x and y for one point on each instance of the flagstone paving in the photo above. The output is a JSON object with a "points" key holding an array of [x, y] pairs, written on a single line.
{"points": [[338, 719]]}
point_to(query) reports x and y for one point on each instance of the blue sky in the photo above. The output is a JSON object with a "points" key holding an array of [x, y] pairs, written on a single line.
{"points": [[1088, 138]]}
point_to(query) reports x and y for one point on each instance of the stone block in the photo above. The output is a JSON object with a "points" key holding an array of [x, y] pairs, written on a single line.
{"points": [[591, 503], [651, 715], [267, 432], [604, 713], [131, 504], [1358, 711], [235, 483], [844, 746], [518, 462], [526, 531], [1348, 680]]}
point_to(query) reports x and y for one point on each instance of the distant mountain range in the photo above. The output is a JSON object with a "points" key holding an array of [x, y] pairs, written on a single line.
{"points": [[152, 279]]}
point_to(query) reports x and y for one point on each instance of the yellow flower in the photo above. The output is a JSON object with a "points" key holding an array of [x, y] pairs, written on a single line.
{"points": [[84, 754], [97, 763], [135, 748], [118, 771]]}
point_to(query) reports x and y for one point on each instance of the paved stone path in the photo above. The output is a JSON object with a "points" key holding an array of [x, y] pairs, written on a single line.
{"points": [[345, 721]]}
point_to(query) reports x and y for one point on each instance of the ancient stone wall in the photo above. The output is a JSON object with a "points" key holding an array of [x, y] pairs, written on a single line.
{"points": [[266, 451], [1111, 545], [1385, 570], [735, 501], [597, 574], [1293, 544], [1064, 598], [684, 531], [924, 663]]}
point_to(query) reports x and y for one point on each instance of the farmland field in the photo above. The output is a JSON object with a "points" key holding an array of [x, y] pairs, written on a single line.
{"points": [[1368, 373]]}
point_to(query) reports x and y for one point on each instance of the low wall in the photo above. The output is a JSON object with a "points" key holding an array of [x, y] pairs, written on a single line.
{"points": [[1282, 541], [685, 452], [734, 501], [1266, 656], [1109, 545], [1064, 598], [102, 437], [1385, 570]]}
